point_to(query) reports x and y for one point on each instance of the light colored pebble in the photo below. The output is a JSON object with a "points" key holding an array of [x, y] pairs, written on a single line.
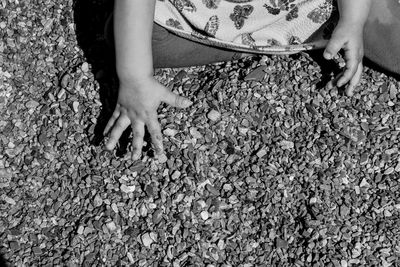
{"points": [[147, 240], [111, 226], [213, 115], [204, 215], [127, 189]]}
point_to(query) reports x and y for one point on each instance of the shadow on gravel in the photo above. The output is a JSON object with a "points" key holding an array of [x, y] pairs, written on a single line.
{"points": [[90, 17], [3, 262]]}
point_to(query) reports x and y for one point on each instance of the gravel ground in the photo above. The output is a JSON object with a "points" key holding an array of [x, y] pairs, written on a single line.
{"points": [[267, 168]]}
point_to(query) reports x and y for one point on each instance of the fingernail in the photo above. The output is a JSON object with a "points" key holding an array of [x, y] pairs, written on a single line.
{"points": [[328, 55], [350, 90], [188, 103], [135, 156]]}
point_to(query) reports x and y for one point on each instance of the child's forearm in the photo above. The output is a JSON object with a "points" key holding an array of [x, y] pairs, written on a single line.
{"points": [[354, 11], [133, 25]]}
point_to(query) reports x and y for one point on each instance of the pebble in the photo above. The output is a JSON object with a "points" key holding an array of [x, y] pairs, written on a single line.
{"points": [[256, 74], [111, 226], [147, 240], [127, 189], [31, 104], [14, 245], [195, 133], [98, 201], [364, 183], [85, 67], [389, 171], [162, 158], [397, 168], [344, 211], [204, 215], [286, 144], [9, 200], [175, 175], [213, 115], [75, 106], [280, 243], [170, 132], [80, 229], [261, 153]]}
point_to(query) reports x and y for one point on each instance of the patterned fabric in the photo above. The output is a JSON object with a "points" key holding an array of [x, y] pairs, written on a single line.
{"points": [[256, 26]]}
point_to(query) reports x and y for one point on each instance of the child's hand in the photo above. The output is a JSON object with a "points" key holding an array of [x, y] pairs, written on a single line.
{"points": [[348, 37], [137, 106]]}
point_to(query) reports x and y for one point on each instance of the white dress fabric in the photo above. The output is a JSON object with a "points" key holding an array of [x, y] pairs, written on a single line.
{"points": [[257, 26]]}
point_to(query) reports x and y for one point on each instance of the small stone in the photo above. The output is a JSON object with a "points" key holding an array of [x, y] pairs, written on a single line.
{"points": [[14, 245], [204, 215], [175, 175], [389, 171], [75, 106], [397, 168], [243, 130], [130, 257], [98, 201], [157, 216], [170, 132], [114, 207], [195, 133], [364, 159], [162, 158], [9, 200], [280, 243], [143, 210], [213, 115], [81, 228], [344, 211], [127, 189], [286, 144], [31, 104], [261, 153], [343, 263], [364, 183], [111, 226], [85, 67], [257, 74], [37, 250], [147, 240], [212, 190]]}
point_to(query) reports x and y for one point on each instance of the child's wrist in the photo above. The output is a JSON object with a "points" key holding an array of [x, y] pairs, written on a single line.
{"points": [[134, 75], [351, 24]]}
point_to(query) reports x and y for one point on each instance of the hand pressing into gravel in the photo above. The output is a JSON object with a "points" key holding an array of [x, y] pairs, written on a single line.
{"points": [[350, 39], [137, 106], [348, 35]]}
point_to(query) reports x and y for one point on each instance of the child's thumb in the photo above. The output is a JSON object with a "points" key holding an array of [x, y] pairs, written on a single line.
{"points": [[177, 101], [332, 49]]}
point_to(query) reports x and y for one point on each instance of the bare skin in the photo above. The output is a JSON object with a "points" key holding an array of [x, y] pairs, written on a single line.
{"points": [[140, 94], [348, 35]]}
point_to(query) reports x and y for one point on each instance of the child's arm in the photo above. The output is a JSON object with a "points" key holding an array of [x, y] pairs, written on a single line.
{"points": [[348, 35], [139, 93]]}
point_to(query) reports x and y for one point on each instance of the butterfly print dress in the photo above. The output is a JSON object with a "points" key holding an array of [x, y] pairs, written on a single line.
{"points": [[255, 26]]}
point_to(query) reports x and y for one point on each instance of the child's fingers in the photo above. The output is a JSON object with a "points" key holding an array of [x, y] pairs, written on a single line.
{"points": [[333, 47], [154, 128], [137, 141], [352, 61], [119, 127], [176, 100], [354, 80], [112, 120]]}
